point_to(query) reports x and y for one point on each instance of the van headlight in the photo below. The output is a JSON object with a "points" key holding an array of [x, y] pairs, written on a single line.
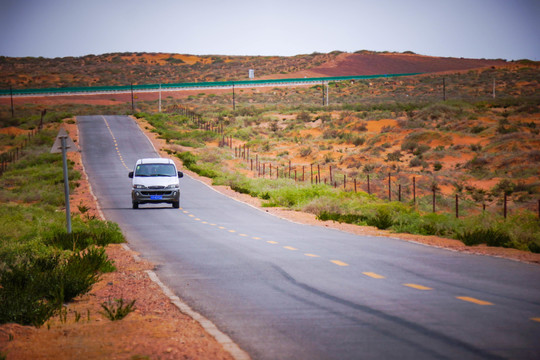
{"points": [[137, 186], [173, 186]]}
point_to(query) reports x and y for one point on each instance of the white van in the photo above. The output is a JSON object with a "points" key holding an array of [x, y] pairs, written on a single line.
{"points": [[155, 180]]}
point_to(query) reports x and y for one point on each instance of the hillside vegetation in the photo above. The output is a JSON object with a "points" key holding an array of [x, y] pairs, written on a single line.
{"points": [[156, 68], [449, 154], [42, 267]]}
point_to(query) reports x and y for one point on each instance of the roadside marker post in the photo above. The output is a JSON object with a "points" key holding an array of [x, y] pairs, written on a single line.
{"points": [[64, 144]]}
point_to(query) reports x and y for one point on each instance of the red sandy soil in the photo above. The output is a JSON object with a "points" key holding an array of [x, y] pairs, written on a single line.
{"points": [[376, 63], [13, 131]]}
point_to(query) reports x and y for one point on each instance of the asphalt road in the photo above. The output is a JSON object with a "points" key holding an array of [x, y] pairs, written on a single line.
{"points": [[283, 290]]}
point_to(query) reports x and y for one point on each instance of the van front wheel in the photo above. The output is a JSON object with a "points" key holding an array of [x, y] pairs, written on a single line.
{"points": [[135, 205], [176, 204]]}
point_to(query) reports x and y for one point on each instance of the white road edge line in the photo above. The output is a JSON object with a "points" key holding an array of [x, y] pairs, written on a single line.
{"points": [[228, 344], [98, 207]]}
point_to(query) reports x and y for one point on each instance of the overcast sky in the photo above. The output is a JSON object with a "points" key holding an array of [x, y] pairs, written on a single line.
{"points": [[492, 29]]}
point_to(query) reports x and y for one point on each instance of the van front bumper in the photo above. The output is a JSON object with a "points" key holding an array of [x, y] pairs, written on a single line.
{"points": [[146, 196]]}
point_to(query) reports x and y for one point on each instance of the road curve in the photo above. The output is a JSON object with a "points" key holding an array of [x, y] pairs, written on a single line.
{"points": [[283, 290]]}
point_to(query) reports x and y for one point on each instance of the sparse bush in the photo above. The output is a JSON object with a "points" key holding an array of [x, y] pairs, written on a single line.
{"points": [[490, 237], [382, 219], [416, 161], [117, 310], [394, 156], [188, 159], [358, 141], [305, 151], [304, 116]]}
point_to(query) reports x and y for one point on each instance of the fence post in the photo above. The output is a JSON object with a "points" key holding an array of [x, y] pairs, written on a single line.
{"points": [[434, 190], [389, 188], [319, 172], [311, 169], [330, 167], [368, 188], [345, 182], [355, 186], [414, 189], [505, 205], [399, 192], [457, 206]]}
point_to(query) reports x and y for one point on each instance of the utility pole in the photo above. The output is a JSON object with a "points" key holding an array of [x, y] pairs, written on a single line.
{"points": [[159, 97], [132, 102], [63, 144], [327, 94], [233, 100], [12, 108], [444, 88], [322, 87]]}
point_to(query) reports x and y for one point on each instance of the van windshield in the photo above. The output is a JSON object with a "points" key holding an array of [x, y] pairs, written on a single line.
{"points": [[155, 170]]}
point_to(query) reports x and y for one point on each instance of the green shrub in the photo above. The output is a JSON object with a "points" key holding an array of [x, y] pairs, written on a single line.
{"points": [[188, 159], [305, 151], [77, 275], [117, 310], [75, 241], [534, 247], [24, 294], [382, 219], [84, 234], [341, 218], [489, 236]]}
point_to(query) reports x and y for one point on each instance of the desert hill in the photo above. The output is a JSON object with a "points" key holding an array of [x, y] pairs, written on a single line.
{"points": [[370, 63], [146, 68]]}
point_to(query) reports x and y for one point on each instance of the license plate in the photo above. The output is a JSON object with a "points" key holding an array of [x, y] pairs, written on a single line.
{"points": [[155, 197]]}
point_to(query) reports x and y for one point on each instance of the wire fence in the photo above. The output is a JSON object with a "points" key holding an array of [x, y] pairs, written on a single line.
{"points": [[421, 191], [15, 153]]}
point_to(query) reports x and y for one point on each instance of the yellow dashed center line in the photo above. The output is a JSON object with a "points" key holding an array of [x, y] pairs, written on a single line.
{"points": [[242, 235], [418, 287], [290, 248], [373, 275], [232, 231], [197, 219], [191, 215], [272, 242], [256, 238], [221, 227], [115, 142], [204, 222], [536, 319], [340, 263], [473, 300], [312, 255]]}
